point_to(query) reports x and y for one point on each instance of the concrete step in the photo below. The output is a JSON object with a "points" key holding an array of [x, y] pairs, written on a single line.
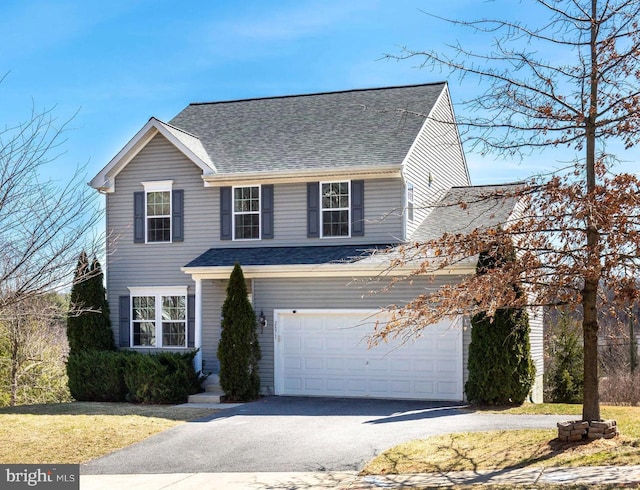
{"points": [[206, 397]]}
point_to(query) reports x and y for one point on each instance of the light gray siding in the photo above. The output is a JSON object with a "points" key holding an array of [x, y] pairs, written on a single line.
{"points": [[536, 341], [436, 162], [323, 293], [156, 264], [132, 264]]}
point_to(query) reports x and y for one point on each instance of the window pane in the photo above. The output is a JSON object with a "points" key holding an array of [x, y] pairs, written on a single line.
{"points": [[173, 334], [173, 308], [158, 203], [247, 226], [335, 223], [159, 229], [144, 308], [144, 334], [335, 195]]}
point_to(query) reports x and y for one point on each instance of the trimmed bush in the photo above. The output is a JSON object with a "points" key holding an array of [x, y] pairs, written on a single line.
{"points": [[165, 377], [97, 376], [239, 350]]}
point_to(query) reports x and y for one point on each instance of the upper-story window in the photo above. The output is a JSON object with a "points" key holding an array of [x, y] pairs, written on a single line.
{"points": [[335, 209], [246, 213], [159, 317], [158, 211], [409, 201]]}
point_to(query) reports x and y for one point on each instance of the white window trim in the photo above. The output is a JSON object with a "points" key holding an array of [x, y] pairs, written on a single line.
{"points": [[322, 210], [158, 186], [234, 213], [410, 202], [158, 292]]}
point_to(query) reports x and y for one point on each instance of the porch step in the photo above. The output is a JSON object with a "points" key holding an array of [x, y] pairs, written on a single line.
{"points": [[211, 397]]}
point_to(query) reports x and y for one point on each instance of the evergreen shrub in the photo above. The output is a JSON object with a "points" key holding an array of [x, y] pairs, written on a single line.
{"points": [[501, 370], [165, 377], [97, 376], [239, 350]]}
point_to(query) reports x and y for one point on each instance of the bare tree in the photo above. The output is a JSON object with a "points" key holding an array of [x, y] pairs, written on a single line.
{"points": [[44, 224], [577, 230]]}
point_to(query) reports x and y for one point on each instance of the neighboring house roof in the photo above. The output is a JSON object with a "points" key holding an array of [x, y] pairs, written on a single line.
{"points": [[354, 128], [464, 209]]}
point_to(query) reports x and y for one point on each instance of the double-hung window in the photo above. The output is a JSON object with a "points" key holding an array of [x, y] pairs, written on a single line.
{"points": [[246, 213], [335, 209], [158, 317], [158, 211]]}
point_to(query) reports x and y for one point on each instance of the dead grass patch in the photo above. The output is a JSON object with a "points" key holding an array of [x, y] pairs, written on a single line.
{"points": [[513, 449], [78, 432]]}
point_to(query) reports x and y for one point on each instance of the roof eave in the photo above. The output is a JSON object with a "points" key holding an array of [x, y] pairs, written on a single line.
{"points": [[377, 269], [104, 181], [302, 175]]}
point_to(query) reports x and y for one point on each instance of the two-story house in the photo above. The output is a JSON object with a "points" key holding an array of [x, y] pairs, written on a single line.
{"points": [[299, 190]]}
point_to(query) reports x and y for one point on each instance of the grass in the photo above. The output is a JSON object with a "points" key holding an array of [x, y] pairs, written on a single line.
{"points": [[513, 449], [78, 432]]}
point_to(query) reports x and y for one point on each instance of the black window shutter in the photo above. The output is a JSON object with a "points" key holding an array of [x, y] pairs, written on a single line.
{"points": [[125, 326], [138, 217], [266, 220], [313, 209], [357, 208], [225, 213], [191, 320], [177, 215]]}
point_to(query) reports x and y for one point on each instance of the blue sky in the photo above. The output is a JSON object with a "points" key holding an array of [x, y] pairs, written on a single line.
{"points": [[119, 62]]}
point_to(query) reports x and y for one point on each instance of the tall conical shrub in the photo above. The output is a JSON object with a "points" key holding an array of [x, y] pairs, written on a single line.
{"points": [[501, 370], [239, 350], [88, 324]]}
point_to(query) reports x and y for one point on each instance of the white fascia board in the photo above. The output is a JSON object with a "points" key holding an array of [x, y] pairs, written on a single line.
{"points": [[320, 270], [301, 175], [105, 180]]}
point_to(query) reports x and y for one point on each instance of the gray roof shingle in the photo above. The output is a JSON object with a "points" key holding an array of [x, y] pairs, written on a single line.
{"points": [[224, 257], [484, 207], [352, 128]]}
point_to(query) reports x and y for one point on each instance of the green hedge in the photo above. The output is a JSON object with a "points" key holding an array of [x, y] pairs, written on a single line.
{"points": [[97, 375], [164, 377], [161, 378]]}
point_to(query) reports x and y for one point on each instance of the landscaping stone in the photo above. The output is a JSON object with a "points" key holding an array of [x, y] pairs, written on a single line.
{"points": [[577, 430]]}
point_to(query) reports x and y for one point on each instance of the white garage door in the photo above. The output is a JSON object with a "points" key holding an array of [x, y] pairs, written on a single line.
{"points": [[325, 353]]}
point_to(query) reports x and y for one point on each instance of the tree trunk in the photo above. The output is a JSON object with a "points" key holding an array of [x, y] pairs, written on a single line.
{"points": [[591, 400]]}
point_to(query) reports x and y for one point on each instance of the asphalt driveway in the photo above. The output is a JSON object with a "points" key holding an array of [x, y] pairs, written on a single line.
{"points": [[278, 434]]}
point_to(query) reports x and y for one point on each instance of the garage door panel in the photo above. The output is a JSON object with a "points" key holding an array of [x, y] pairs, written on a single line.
{"points": [[326, 353]]}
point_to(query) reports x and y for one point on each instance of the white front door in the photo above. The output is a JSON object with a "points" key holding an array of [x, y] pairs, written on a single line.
{"points": [[325, 353]]}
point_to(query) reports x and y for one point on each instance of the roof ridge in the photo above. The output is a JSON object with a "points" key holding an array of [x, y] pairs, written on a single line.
{"points": [[175, 127], [520, 182], [291, 96]]}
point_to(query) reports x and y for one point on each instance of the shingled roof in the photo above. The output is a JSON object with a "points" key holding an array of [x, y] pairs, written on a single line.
{"points": [[464, 209], [367, 127]]}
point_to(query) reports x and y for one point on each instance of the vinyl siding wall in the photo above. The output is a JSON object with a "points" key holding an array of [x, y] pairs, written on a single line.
{"points": [[319, 293], [154, 264], [436, 152], [132, 264], [536, 341]]}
